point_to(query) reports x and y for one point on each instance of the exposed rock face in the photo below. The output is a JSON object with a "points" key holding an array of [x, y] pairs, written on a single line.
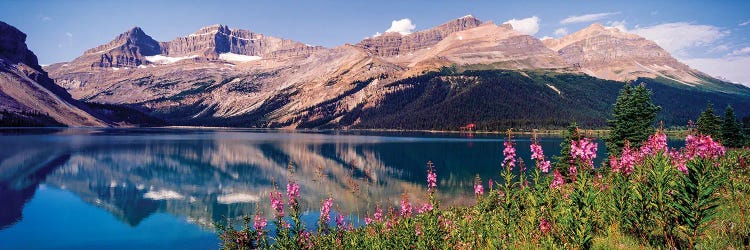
{"points": [[26, 88], [608, 53], [392, 43], [488, 44], [127, 50], [13, 48], [223, 77], [214, 40]]}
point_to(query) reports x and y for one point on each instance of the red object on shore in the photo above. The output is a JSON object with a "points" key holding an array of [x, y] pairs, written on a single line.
{"points": [[469, 126]]}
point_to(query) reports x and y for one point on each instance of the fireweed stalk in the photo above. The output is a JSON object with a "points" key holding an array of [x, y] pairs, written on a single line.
{"points": [[325, 215]]}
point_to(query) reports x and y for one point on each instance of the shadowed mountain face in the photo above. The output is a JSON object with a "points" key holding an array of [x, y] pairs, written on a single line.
{"points": [[28, 97], [219, 76]]}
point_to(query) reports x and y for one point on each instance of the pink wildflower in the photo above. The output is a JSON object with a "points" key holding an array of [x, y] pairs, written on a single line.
{"points": [[538, 155], [584, 150], [478, 189], [340, 221], [536, 152], [368, 220], [557, 181], [292, 192], [424, 208], [490, 183], [510, 154], [544, 226], [418, 230], [544, 166], [680, 160], [305, 241], [378, 215], [277, 203], [700, 146], [431, 180], [406, 208], [259, 223], [572, 170], [325, 210], [628, 158], [656, 143]]}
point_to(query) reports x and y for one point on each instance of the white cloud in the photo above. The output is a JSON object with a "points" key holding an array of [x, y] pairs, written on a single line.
{"points": [[745, 23], [545, 38], [587, 17], [732, 68], [719, 49], [654, 13], [561, 32], [677, 37], [528, 26], [403, 26], [620, 25], [742, 51], [67, 41], [46, 18]]}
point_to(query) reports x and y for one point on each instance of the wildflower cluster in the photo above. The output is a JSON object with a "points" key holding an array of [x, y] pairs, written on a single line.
{"points": [[538, 155], [510, 154], [585, 151]]}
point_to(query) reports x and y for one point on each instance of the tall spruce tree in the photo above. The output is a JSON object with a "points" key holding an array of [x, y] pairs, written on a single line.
{"points": [[708, 123], [562, 161], [730, 129], [633, 118]]}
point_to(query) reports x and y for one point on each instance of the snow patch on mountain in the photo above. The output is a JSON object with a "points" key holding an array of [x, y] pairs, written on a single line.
{"points": [[237, 57], [166, 59]]}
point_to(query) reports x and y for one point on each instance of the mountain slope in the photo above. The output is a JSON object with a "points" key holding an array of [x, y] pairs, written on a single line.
{"points": [[499, 99], [608, 53], [231, 77], [28, 97]]}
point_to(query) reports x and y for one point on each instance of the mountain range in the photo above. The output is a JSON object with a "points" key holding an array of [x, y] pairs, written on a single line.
{"points": [[463, 71]]}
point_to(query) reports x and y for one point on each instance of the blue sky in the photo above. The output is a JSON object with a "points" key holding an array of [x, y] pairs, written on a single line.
{"points": [[712, 36]]}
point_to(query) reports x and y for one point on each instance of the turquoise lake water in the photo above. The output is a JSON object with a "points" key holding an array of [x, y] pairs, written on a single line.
{"points": [[164, 188]]}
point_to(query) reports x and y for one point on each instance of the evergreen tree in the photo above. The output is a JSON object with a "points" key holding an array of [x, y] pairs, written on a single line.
{"points": [[562, 161], [633, 118], [708, 123], [730, 129]]}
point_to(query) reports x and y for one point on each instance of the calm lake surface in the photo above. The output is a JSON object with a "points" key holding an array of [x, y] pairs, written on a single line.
{"points": [[164, 188]]}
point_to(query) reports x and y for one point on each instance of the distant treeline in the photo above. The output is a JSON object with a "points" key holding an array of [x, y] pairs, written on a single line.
{"points": [[27, 119]]}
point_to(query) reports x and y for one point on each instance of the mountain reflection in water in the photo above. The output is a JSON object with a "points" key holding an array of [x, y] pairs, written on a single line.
{"points": [[208, 175]]}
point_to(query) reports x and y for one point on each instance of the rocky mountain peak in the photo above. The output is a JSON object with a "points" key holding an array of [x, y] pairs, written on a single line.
{"points": [[26, 87], [135, 40], [608, 53], [507, 26], [393, 45], [213, 30], [13, 47]]}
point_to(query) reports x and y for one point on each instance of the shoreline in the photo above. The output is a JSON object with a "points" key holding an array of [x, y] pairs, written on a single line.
{"points": [[598, 132]]}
